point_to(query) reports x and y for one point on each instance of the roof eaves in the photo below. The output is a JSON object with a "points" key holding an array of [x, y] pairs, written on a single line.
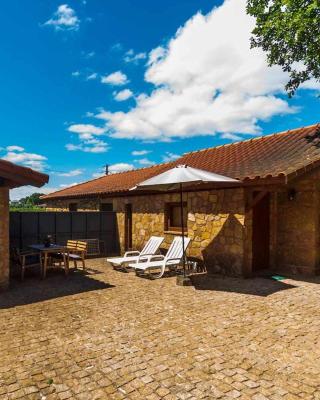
{"points": [[17, 175], [302, 170]]}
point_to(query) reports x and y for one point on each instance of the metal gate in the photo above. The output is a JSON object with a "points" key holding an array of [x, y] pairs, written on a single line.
{"points": [[31, 227]]}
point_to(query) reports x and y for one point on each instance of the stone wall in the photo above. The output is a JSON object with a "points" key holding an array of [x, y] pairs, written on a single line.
{"points": [[297, 233], [83, 204], [215, 225], [4, 238], [221, 230]]}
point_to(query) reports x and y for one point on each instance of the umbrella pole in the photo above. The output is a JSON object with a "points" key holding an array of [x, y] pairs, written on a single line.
{"points": [[182, 229]]}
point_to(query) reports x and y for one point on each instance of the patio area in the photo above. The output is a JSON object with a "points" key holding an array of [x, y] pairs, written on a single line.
{"points": [[112, 335]]}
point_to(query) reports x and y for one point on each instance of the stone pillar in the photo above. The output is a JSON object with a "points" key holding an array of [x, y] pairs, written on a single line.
{"points": [[247, 242], [274, 230], [316, 195], [4, 238]]}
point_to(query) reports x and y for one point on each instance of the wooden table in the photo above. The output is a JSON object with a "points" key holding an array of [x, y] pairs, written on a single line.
{"points": [[45, 254]]}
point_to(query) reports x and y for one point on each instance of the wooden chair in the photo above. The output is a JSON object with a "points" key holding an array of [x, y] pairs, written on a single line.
{"points": [[77, 251], [26, 259]]}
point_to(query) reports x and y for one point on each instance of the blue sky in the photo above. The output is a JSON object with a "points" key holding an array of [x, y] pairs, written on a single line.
{"points": [[89, 83]]}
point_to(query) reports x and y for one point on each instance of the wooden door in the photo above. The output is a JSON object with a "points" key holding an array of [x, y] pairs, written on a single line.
{"points": [[128, 227], [261, 234]]}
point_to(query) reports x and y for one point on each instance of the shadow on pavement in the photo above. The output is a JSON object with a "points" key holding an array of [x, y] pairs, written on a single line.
{"points": [[255, 286], [33, 289]]}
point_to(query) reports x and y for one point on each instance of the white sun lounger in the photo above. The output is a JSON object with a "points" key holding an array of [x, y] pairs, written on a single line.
{"points": [[150, 249], [172, 258]]}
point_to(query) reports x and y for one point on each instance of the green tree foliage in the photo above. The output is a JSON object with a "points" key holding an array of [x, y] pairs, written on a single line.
{"points": [[29, 203], [289, 32], [34, 199]]}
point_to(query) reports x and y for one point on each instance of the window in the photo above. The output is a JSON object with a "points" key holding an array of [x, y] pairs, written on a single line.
{"points": [[173, 217], [106, 207], [73, 207]]}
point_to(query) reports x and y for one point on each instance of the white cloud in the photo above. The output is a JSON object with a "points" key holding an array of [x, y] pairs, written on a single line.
{"points": [[116, 47], [120, 167], [132, 57], [312, 84], [74, 172], [65, 185], [207, 80], [98, 174], [140, 152], [15, 148], [88, 142], [75, 74], [64, 18], [90, 54], [117, 78], [123, 95], [24, 191], [89, 146], [92, 76], [31, 160], [86, 131], [231, 136], [101, 148], [170, 156], [156, 55], [73, 147], [145, 161]]}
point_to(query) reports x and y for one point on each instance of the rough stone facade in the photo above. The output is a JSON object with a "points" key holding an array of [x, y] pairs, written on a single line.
{"points": [[297, 226], [83, 205], [215, 224], [220, 225], [4, 237]]}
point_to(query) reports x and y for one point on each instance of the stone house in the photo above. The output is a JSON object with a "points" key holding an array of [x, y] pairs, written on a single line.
{"points": [[12, 176], [270, 222]]}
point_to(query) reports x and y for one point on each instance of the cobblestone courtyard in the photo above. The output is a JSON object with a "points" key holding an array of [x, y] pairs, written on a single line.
{"points": [[112, 335]]}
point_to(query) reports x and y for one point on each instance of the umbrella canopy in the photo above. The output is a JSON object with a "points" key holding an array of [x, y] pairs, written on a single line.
{"points": [[177, 178], [182, 174]]}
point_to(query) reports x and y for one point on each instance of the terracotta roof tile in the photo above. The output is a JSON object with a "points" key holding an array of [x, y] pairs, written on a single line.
{"points": [[281, 154], [118, 182], [273, 155]]}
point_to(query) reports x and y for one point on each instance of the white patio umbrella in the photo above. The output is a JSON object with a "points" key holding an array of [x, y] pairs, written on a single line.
{"points": [[178, 177]]}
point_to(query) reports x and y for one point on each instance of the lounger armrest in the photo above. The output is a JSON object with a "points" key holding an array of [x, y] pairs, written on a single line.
{"points": [[156, 257], [131, 253], [146, 257], [178, 260]]}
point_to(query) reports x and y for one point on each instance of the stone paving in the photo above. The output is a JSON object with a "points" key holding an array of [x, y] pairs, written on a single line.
{"points": [[112, 335]]}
